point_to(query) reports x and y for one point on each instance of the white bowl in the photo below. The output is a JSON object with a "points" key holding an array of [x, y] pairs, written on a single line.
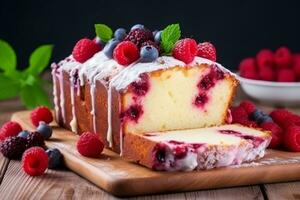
{"points": [[274, 93]]}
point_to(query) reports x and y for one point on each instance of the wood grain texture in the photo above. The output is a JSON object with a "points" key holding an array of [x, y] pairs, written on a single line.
{"points": [[289, 190], [123, 178]]}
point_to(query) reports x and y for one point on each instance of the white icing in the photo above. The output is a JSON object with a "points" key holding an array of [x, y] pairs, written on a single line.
{"points": [[73, 123], [62, 96], [56, 109]]}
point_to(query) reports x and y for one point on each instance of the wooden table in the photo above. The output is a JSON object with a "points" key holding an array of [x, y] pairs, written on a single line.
{"points": [[64, 184]]}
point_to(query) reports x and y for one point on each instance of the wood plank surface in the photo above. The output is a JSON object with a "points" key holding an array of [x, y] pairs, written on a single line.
{"points": [[123, 178]]}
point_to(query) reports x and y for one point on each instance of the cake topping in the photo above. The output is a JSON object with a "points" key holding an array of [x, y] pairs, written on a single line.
{"points": [[148, 53], [120, 34], [85, 49], [185, 50], [207, 50], [126, 53], [138, 36]]}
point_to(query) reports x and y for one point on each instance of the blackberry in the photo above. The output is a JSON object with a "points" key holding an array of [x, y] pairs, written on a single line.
{"points": [[13, 147], [35, 139], [139, 36]]}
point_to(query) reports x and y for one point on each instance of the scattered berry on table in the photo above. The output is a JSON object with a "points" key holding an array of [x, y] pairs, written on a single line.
{"points": [[207, 50], [126, 53], [85, 49], [90, 145], [291, 139], [276, 132], [248, 106], [185, 50], [13, 147], [148, 53], [110, 46], [23, 134], [45, 130], [260, 117], [39, 114], [35, 161], [279, 115], [55, 158], [35, 139], [238, 113], [9, 129], [120, 34]]}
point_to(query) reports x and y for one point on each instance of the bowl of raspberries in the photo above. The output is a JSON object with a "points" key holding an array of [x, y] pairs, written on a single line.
{"points": [[272, 77]]}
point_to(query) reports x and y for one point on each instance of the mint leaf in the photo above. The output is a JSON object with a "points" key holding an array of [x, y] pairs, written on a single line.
{"points": [[39, 59], [103, 32], [8, 58], [8, 87], [33, 96], [169, 37]]}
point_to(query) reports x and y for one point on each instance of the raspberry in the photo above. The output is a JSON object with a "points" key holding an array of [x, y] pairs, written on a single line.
{"points": [[296, 69], [280, 115], [265, 58], [247, 68], [90, 145], [85, 49], [139, 36], [283, 57], [291, 120], [185, 50], [238, 113], [39, 114], [286, 75], [35, 139], [13, 147], [207, 50], [126, 53], [248, 106], [276, 132], [266, 74], [9, 129], [151, 43], [35, 161], [291, 139]]}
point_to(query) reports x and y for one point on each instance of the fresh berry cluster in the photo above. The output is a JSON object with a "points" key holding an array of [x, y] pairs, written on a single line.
{"points": [[281, 66], [284, 125], [141, 44], [90, 145], [16, 142]]}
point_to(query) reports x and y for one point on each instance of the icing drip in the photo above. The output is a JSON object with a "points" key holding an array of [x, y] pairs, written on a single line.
{"points": [[93, 111], [62, 96], [73, 123], [53, 72]]}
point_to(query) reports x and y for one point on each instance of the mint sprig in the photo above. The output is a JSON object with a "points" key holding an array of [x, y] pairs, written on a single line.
{"points": [[169, 36], [24, 83], [103, 32]]}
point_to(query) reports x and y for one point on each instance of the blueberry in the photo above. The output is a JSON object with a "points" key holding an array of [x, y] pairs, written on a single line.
{"points": [[55, 158], [120, 34], [157, 37], [45, 130], [110, 46], [148, 53], [23, 134], [260, 117], [140, 26]]}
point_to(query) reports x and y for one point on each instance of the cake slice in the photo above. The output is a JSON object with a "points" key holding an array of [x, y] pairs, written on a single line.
{"points": [[206, 148], [169, 95]]}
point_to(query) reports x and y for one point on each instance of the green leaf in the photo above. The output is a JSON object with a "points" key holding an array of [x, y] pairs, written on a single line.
{"points": [[33, 96], [8, 87], [169, 37], [39, 59], [103, 32], [8, 58]]}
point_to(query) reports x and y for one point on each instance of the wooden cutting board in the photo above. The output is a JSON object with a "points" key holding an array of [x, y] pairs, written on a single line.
{"points": [[123, 178]]}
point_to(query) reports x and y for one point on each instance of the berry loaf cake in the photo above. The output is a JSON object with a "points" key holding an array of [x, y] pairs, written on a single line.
{"points": [[142, 91]]}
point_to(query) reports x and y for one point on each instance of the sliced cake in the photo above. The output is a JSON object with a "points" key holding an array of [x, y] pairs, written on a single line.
{"points": [[204, 148]]}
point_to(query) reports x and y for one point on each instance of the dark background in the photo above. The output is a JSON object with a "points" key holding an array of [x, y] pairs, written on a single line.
{"points": [[237, 28]]}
